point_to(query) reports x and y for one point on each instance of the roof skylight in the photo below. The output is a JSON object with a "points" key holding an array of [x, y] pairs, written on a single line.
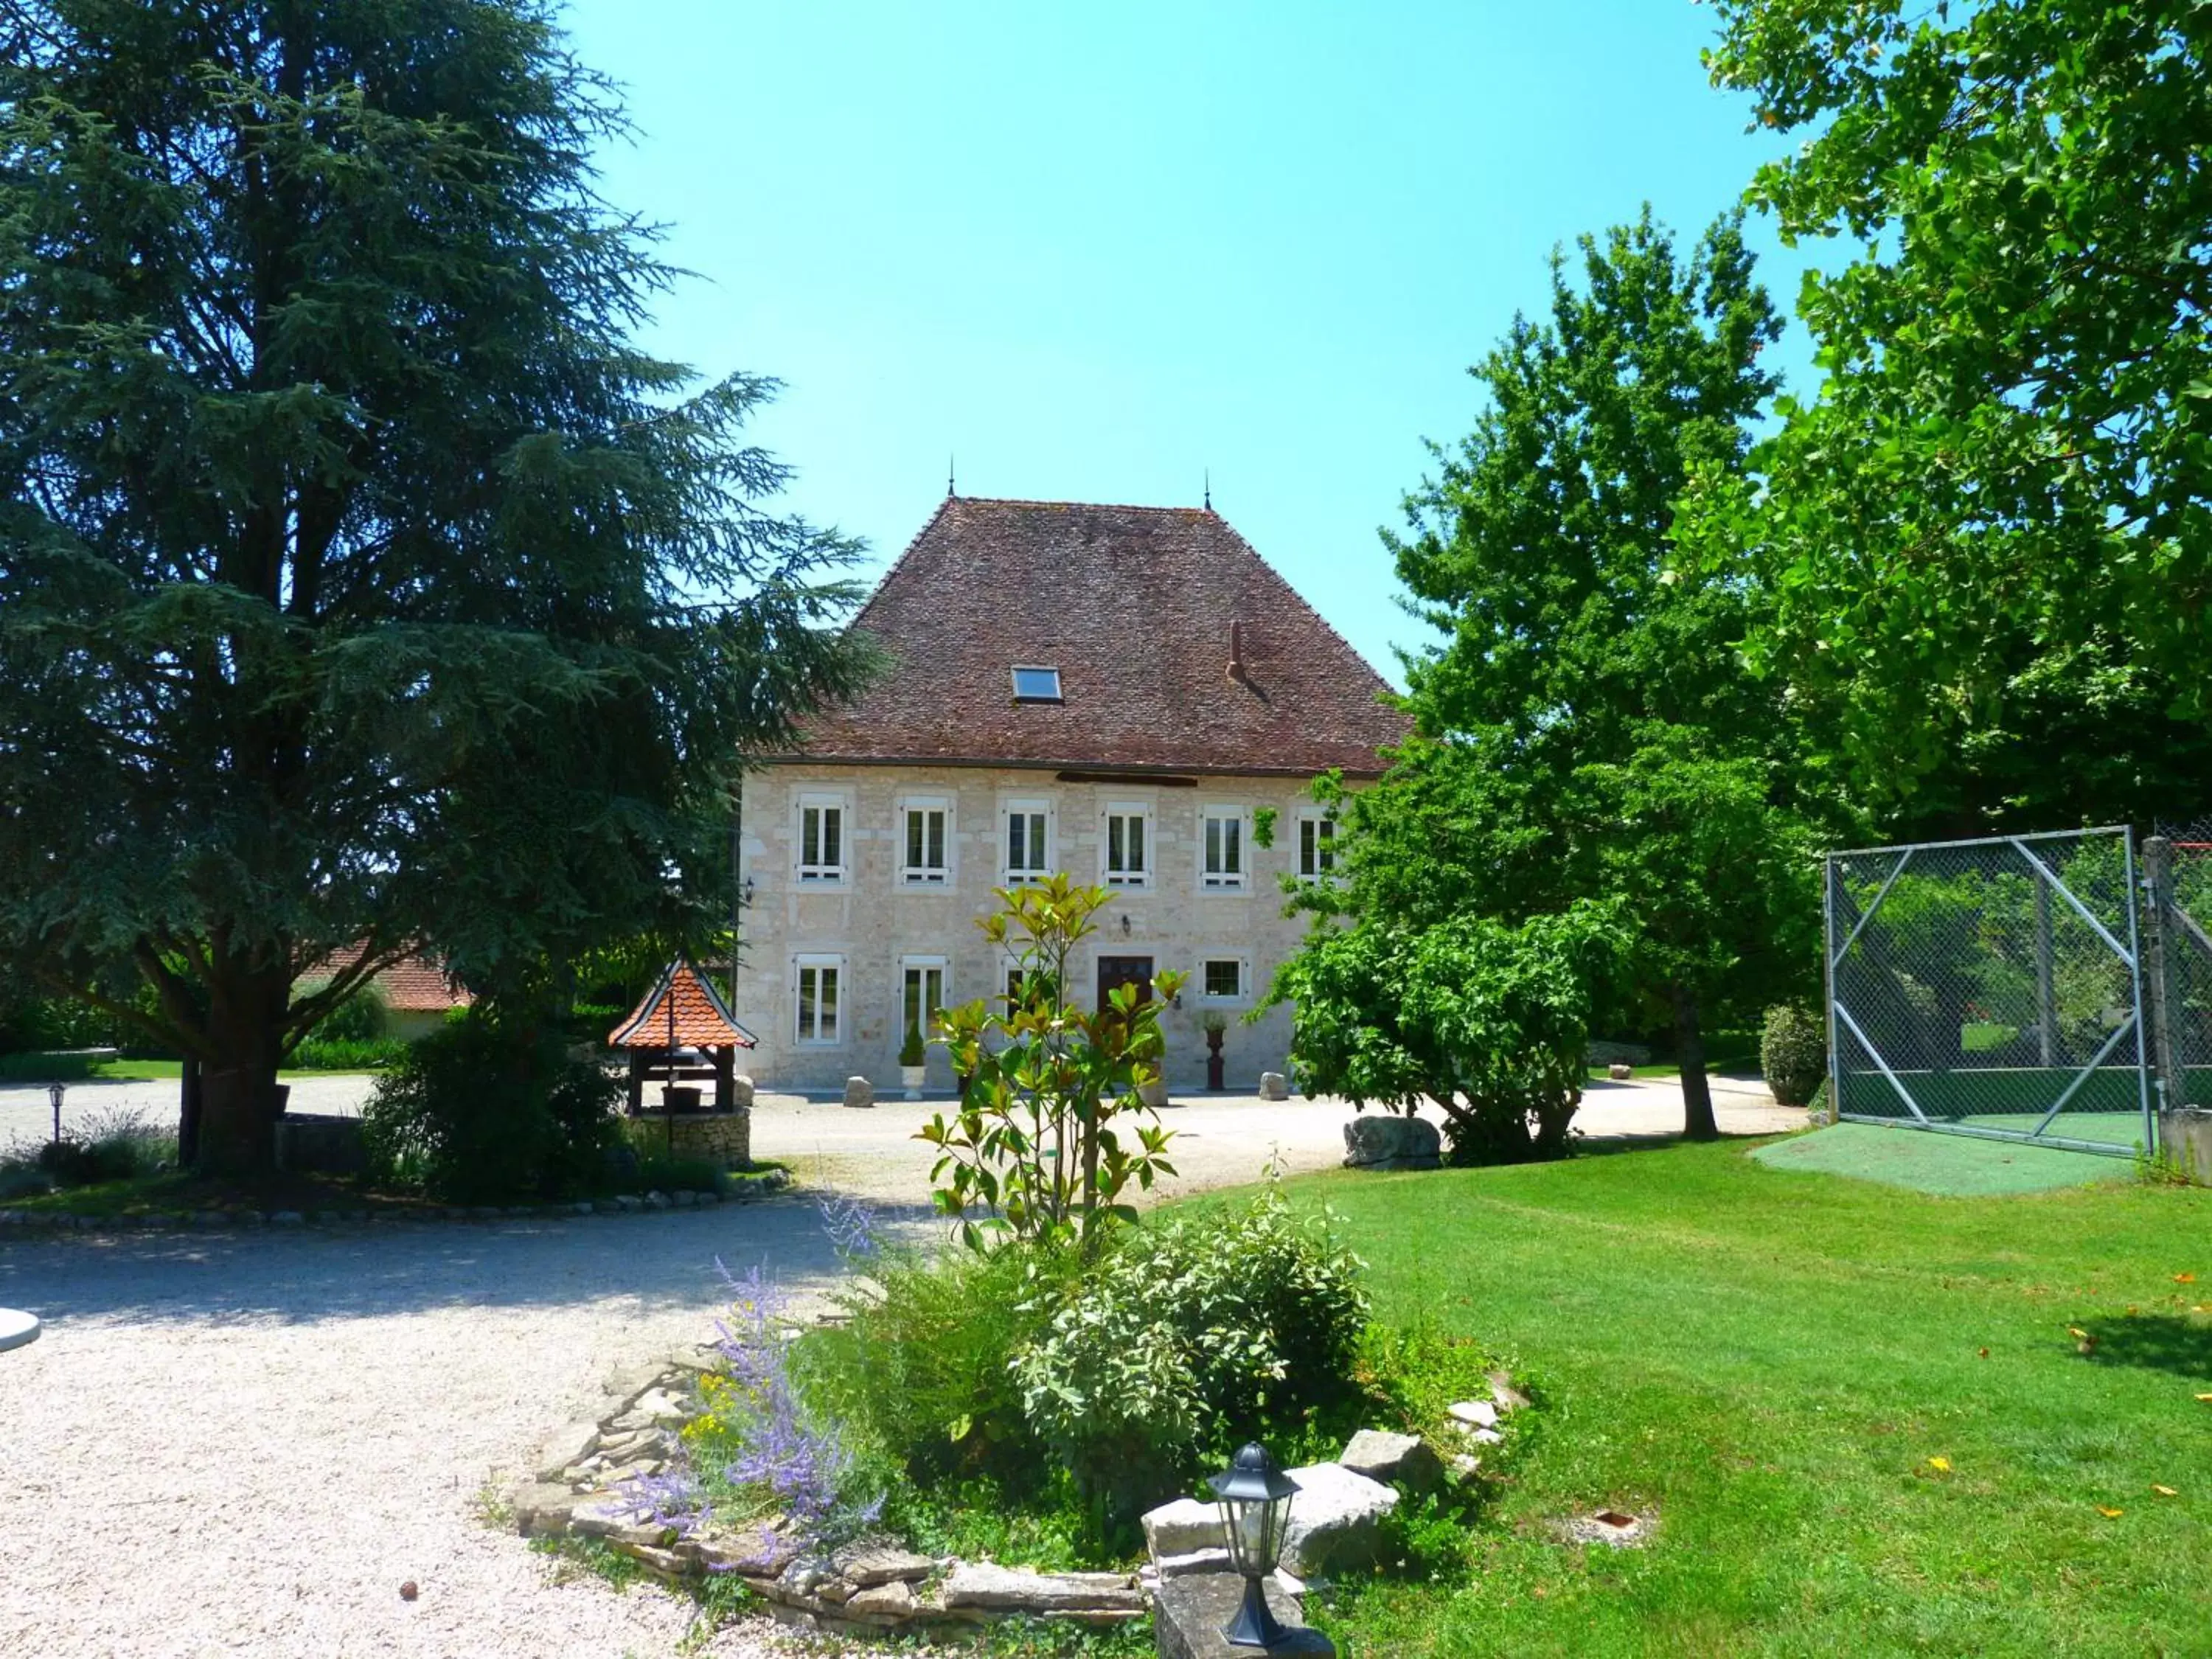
{"points": [[1037, 685]]}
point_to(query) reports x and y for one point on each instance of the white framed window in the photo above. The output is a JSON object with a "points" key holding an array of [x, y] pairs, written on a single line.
{"points": [[822, 839], [1223, 860], [1125, 855], [1316, 844], [1033, 684], [1224, 979], [819, 1003], [926, 841], [922, 981], [1028, 839]]}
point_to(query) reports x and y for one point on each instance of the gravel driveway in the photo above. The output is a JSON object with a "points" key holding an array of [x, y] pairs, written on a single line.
{"points": [[245, 1442]]}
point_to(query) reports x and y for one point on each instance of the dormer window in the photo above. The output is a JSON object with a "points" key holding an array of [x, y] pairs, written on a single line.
{"points": [[1037, 685]]}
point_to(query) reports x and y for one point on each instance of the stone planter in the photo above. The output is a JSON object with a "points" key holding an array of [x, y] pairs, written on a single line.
{"points": [[911, 1077]]}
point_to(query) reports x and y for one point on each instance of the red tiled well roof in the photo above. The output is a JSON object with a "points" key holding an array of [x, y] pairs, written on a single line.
{"points": [[1179, 649], [700, 1018]]}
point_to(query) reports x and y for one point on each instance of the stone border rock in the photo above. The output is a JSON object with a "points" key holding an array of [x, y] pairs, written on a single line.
{"points": [[742, 1187], [871, 1587]]}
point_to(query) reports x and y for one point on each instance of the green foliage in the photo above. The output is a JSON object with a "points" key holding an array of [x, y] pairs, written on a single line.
{"points": [[109, 1146], [911, 1051], [1588, 732], [1490, 1022], [921, 1367], [363, 1017], [1079, 1391], [318, 1054], [362, 583], [1988, 535], [1037, 1147], [1192, 1337], [490, 1107], [1793, 1052]]}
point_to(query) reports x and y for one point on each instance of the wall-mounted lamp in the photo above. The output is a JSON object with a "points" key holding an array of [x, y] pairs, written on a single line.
{"points": [[746, 894]]}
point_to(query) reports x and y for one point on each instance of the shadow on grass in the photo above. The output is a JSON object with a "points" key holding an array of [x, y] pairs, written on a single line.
{"points": [[2161, 1342]]}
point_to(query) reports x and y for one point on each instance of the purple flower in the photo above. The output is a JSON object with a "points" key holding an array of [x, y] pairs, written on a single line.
{"points": [[851, 1224], [672, 1499]]}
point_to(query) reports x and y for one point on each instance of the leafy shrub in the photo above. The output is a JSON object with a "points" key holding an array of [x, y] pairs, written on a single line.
{"points": [[364, 1016], [1487, 1021], [921, 1368], [1188, 1339], [489, 1108], [115, 1145], [1793, 1053], [348, 1054]]}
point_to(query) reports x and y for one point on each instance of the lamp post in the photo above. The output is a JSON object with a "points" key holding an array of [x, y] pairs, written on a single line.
{"points": [[1255, 1498], [54, 1093]]}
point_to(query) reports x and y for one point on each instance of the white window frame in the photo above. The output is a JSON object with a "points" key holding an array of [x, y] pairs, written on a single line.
{"points": [[1324, 843], [1028, 806], [923, 878], [924, 964], [801, 967], [1142, 812], [1244, 993], [822, 873], [1222, 881]]}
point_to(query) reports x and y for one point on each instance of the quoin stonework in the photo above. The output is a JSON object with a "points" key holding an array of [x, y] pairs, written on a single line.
{"points": [[1125, 694]]}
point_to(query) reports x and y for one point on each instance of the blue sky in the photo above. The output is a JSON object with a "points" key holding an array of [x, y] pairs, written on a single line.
{"points": [[1096, 251]]}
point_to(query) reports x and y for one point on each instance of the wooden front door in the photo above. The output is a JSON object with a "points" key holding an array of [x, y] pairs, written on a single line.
{"points": [[1115, 971]]}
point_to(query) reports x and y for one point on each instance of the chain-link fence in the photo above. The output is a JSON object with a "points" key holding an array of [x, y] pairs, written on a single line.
{"points": [[2177, 961], [1993, 987]]}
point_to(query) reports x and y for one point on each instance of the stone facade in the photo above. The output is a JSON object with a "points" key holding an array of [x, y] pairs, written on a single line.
{"points": [[873, 923], [721, 1138]]}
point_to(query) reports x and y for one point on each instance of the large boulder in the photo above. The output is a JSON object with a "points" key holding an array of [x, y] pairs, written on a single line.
{"points": [[1384, 1140], [1182, 1527], [858, 1091], [1336, 1522], [1273, 1086], [1404, 1461]]}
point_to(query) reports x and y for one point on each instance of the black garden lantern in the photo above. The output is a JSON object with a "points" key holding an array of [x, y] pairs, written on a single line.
{"points": [[1255, 1496]]}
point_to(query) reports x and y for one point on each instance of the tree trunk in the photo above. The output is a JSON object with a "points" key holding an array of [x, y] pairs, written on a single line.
{"points": [[240, 1100], [188, 1097], [1698, 1122]]}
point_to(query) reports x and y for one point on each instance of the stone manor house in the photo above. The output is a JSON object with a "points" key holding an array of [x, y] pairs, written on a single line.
{"points": [[1116, 692]]}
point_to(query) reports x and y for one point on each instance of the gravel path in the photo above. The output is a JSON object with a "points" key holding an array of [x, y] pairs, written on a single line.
{"points": [[244, 1443]]}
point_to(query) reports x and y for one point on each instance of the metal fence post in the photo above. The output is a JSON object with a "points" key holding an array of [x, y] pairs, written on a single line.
{"points": [[2157, 881], [1828, 985]]}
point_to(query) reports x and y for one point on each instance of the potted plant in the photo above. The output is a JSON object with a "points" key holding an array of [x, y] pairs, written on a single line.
{"points": [[1214, 1022], [913, 1062]]}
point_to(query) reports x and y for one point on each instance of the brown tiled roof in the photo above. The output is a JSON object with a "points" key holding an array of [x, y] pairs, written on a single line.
{"points": [[1134, 606], [412, 985], [702, 1019]]}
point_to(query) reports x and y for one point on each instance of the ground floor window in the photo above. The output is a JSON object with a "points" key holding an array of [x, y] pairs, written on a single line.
{"points": [[1222, 979], [820, 984], [924, 994]]}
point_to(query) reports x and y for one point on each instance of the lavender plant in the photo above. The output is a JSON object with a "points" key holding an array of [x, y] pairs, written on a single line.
{"points": [[851, 1224], [778, 1457]]}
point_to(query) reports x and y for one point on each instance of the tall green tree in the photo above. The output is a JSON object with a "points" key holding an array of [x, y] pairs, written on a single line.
{"points": [[1991, 535], [363, 588], [1587, 728]]}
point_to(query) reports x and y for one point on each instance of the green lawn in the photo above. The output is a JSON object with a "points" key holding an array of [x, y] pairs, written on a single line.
{"points": [[1770, 1359]]}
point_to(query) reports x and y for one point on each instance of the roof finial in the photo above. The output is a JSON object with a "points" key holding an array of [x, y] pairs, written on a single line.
{"points": [[1209, 489], [949, 491]]}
